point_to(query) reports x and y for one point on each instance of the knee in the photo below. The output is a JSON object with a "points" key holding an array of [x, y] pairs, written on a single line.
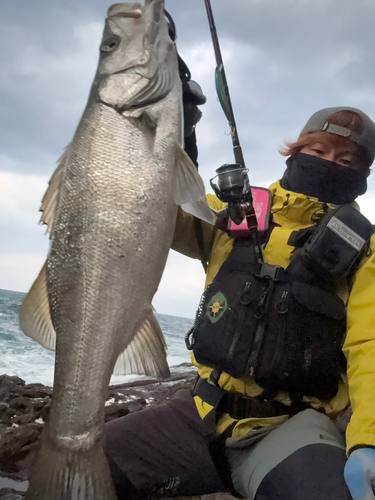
{"points": [[314, 472]]}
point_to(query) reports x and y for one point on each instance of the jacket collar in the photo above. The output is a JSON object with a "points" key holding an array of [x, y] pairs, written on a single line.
{"points": [[297, 207]]}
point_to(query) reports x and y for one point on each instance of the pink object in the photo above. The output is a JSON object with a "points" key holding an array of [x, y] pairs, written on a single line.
{"points": [[262, 204]]}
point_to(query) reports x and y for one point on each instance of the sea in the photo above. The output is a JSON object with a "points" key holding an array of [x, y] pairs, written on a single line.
{"points": [[22, 356]]}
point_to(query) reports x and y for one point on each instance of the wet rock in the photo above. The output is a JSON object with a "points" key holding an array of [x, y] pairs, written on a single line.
{"points": [[115, 410], [3, 408], [36, 391], [23, 419], [24, 408], [21, 403], [10, 494], [7, 383], [43, 411], [214, 496], [15, 447]]}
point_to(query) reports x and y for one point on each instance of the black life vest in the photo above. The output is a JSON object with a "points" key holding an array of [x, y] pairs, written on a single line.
{"points": [[284, 327]]}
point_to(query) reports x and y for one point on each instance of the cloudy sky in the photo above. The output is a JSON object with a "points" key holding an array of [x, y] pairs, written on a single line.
{"points": [[284, 60]]}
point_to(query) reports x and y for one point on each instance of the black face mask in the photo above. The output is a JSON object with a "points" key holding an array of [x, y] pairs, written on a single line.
{"points": [[323, 179]]}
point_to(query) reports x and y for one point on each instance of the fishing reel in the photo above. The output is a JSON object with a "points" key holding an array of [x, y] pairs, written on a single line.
{"points": [[233, 187]]}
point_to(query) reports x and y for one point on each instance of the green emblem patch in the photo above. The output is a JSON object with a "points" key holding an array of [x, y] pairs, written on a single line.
{"points": [[216, 307]]}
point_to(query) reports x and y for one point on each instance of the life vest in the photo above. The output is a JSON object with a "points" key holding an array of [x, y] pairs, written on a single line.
{"points": [[284, 327]]}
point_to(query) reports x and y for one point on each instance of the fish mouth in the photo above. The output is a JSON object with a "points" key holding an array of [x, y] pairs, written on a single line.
{"points": [[144, 69]]}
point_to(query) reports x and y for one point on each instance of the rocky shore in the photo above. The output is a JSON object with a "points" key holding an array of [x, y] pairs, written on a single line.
{"points": [[24, 408]]}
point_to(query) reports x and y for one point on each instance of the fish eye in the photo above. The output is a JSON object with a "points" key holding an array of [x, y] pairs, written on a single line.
{"points": [[107, 48], [108, 45]]}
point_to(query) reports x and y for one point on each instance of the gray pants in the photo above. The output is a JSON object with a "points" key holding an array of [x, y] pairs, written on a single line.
{"points": [[165, 451], [277, 458]]}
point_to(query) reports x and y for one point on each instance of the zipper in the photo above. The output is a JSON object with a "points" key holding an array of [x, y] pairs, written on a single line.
{"points": [[246, 296], [251, 364], [259, 314]]}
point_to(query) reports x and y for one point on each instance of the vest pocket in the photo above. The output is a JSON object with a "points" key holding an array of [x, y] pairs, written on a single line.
{"points": [[271, 366], [225, 331], [302, 350]]}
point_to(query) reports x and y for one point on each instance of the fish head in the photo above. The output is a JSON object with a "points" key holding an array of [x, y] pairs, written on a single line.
{"points": [[138, 59]]}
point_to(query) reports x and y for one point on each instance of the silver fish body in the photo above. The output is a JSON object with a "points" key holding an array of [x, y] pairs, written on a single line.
{"points": [[120, 182], [112, 233]]}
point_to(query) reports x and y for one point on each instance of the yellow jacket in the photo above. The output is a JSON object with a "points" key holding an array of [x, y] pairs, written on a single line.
{"points": [[291, 212]]}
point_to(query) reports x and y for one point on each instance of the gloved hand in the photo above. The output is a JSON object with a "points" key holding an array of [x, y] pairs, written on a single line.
{"points": [[192, 98], [359, 473]]}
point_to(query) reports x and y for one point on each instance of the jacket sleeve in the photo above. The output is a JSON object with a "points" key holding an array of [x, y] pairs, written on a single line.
{"points": [[185, 238], [359, 348]]}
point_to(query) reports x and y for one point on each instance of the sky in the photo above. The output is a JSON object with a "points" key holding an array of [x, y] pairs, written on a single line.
{"points": [[284, 60]]}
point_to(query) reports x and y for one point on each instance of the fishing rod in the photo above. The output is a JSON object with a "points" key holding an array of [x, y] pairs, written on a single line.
{"points": [[222, 88], [233, 182]]}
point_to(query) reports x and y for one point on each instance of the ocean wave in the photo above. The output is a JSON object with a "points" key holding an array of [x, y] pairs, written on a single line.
{"points": [[25, 358]]}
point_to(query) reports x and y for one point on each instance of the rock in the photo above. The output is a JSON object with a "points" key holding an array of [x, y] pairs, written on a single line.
{"points": [[3, 408], [43, 411], [21, 403], [115, 410], [36, 391], [24, 409], [6, 380], [23, 419], [16, 446], [10, 494], [213, 496], [9, 387]]}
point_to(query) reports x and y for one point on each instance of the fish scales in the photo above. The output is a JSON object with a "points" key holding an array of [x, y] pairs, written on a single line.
{"points": [[106, 209], [111, 208]]}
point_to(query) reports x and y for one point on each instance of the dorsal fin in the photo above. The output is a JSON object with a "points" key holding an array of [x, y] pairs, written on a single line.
{"points": [[50, 197]]}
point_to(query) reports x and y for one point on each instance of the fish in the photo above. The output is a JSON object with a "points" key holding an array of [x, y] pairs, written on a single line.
{"points": [[111, 208]]}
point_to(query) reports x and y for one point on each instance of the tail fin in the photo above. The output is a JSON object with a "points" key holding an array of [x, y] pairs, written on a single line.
{"points": [[62, 474]]}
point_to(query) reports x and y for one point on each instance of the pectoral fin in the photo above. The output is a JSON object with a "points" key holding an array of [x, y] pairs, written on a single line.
{"points": [[189, 191], [146, 353]]}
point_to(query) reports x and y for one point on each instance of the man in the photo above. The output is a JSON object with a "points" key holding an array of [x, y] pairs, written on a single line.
{"points": [[272, 377]]}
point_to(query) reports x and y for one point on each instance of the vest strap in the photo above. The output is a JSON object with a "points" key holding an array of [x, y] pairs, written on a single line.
{"points": [[237, 405]]}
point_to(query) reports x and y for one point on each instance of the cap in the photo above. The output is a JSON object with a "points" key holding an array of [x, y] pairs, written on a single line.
{"points": [[319, 121]]}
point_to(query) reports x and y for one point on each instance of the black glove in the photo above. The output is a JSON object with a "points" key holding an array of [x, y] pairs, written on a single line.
{"points": [[192, 97]]}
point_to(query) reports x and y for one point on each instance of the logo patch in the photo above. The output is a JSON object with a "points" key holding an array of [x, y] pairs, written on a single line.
{"points": [[345, 233], [217, 307]]}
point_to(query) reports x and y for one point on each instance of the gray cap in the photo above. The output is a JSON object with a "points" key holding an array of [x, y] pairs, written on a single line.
{"points": [[320, 122]]}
